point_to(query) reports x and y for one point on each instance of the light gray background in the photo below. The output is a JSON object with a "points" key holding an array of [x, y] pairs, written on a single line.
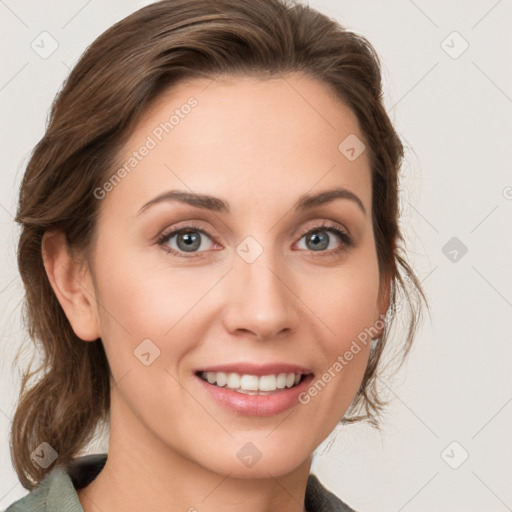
{"points": [[455, 116]]}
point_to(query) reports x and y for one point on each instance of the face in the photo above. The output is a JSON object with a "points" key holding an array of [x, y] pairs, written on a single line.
{"points": [[256, 276]]}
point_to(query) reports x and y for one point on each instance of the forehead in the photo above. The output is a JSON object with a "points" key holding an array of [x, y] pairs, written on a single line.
{"points": [[245, 138]]}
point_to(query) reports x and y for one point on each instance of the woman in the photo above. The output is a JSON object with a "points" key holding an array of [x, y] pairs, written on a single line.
{"points": [[210, 251]]}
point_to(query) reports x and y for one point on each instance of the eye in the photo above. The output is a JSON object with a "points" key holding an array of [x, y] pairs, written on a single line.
{"points": [[317, 239], [188, 239]]}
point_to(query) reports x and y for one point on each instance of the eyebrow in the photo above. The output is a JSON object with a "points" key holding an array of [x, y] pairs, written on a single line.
{"points": [[215, 204]]}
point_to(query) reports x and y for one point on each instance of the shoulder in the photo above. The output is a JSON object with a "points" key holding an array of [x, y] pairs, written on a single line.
{"points": [[55, 485], [319, 499], [57, 491]]}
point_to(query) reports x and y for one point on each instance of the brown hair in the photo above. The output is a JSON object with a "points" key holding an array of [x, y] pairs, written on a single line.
{"points": [[113, 84]]}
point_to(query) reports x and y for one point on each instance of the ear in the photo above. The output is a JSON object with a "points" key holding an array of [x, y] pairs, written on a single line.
{"points": [[383, 301], [72, 284]]}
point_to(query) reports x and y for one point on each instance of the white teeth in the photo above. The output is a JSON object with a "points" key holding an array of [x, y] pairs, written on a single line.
{"points": [[233, 380], [267, 383], [221, 379], [250, 383], [242, 383], [281, 381]]}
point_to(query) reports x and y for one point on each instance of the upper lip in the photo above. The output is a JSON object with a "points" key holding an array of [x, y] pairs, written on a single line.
{"points": [[256, 369]]}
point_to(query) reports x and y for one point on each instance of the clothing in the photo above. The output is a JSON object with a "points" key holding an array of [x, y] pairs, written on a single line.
{"points": [[57, 491]]}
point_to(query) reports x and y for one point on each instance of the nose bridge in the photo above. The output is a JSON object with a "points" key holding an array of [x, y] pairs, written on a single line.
{"points": [[263, 302]]}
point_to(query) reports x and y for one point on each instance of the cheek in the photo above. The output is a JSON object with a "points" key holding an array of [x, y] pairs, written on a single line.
{"points": [[344, 349], [346, 300], [346, 305], [138, 290], [146, 314], [143, 298]]}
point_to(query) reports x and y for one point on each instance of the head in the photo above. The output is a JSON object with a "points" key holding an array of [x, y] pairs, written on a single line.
{"points": [[262, 110]]}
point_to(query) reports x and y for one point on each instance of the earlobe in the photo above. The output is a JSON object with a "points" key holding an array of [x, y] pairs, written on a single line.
{"points": [[72, 285]]}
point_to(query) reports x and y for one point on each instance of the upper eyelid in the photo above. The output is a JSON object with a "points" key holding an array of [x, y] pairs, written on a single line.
{"points": [[324, 224]]}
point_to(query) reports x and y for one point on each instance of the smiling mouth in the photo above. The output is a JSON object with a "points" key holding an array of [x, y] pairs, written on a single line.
{"points": [[252, 384]]}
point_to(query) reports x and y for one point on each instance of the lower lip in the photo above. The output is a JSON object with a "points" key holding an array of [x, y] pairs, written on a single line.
{"points": [[257, 405]]}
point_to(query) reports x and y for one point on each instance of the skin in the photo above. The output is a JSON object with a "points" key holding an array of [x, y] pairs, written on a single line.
{"points": [[258, 144]]}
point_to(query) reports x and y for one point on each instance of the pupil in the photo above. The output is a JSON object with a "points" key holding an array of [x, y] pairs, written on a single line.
{"points": [[191, 240], [321, 241]]}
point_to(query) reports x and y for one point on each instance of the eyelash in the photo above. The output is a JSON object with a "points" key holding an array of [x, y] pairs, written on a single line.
{"points": [[324, 226]]}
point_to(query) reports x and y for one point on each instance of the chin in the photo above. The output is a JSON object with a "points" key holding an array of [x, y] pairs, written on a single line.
{"points": [[257, 460]]}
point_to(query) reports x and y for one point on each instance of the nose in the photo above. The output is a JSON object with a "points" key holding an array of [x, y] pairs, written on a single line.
{"points": [[261, 300]]}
